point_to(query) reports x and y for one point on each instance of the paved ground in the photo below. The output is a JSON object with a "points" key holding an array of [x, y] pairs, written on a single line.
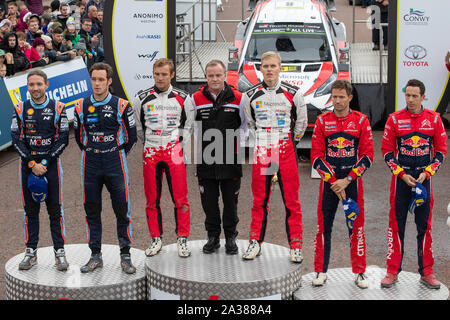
{"points": [[376, 188], [377, 181]]}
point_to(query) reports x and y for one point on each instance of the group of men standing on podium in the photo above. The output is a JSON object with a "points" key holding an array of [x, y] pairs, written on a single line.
{"points": [[273, 115]]}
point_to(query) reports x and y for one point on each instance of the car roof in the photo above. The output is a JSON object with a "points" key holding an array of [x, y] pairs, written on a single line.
{"points": [[304, 11]]}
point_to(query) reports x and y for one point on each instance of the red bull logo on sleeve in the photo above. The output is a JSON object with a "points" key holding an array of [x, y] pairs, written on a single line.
{"points": [[420, 146]]}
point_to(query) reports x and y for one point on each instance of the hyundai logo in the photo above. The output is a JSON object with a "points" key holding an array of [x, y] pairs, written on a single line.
{"points": [[415, 52]]}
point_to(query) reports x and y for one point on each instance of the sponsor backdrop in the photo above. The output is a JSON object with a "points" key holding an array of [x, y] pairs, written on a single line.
{"points": [[422, 43], [68, 82], [142, 31], [6, 110]]}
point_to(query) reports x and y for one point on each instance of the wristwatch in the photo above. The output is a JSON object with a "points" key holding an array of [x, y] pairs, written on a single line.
{"points": [[31, 164], [349, 178]]}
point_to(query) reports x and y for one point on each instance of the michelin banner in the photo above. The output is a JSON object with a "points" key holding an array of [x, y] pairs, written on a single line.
{"points": [[142, 31], [422, 43], [6, 110], [68, 82]]}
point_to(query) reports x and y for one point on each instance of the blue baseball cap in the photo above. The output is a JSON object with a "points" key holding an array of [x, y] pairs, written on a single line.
{"points": [[38, 187], [419, 197], [351, 210]]}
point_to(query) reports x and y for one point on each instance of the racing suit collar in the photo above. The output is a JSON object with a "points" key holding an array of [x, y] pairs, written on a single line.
{"points": [[158, 91], [96, 103], [344, 117], [40, 106], [226, 95], [414, 115], [271, 88]]}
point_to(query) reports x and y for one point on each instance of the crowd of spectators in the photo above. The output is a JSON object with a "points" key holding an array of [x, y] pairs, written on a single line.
{"points": [[35, 35]]}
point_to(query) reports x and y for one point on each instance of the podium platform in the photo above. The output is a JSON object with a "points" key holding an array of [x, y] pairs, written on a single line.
{"points": [[44, 282], [340, 286], [199, 277]]}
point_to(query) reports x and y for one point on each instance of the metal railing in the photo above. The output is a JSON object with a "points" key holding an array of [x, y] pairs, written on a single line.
{"points": [[186, 43], [381, 35]]}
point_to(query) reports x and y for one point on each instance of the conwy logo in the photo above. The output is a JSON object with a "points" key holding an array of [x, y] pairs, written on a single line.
{"points": [[416, 17]]}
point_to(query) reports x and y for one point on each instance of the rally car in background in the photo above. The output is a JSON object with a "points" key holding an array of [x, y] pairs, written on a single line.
{"points": [[311, 43]]}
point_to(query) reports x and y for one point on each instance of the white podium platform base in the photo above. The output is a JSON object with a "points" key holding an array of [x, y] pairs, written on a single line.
{"points": [[340, 286], [269, 276], [44, 282]]}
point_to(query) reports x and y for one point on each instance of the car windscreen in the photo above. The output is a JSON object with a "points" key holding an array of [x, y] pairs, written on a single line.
{"points": [[294, 42]]}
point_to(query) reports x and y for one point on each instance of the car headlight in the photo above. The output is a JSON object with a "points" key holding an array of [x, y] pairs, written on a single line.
{"points": [[326, 87], [243, 83]]}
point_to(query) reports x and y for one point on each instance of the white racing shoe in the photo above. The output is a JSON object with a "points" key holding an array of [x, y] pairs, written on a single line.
{"points": [[320, 279], [253, 250], [361, 281], [155, 247], [296, 255], [183, 250]]}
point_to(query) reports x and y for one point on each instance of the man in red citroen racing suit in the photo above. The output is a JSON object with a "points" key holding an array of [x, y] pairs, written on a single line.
{"points": [[162, 112], [414, 146], [341, 152], [271, 107]]}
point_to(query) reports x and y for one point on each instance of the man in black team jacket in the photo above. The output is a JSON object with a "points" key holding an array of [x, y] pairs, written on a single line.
{"points": [[219, 112]]}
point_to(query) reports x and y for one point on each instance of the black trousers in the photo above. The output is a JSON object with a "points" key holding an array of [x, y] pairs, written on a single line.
{"points": [[210, 190]]}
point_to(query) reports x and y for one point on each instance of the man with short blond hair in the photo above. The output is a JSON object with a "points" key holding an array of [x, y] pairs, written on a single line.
{"points": [[271, 106]]}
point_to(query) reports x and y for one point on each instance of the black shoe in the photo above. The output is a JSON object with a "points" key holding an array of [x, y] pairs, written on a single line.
{"points": [[376, 47], [125, 263], [94, 262], [230, 246], [212, 244]]}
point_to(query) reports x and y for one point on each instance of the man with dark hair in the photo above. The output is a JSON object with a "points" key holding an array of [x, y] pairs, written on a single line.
{"points": [[105, 131], [219, 109], [341, 152], [96, 53], [39, 132], [164, 113], [64, 10], [414, 146], [62, 53]]}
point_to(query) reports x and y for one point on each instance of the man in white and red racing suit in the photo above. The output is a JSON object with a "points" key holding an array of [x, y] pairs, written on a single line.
{"points": [[272, 107], [163, 113]]}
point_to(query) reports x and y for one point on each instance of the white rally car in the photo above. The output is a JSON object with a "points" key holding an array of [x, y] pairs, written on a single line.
{"points": [[311, 43]]}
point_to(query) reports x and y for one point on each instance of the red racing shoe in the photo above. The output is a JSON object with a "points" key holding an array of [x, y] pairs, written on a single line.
{"points": [[430, 281], [389, 280]]}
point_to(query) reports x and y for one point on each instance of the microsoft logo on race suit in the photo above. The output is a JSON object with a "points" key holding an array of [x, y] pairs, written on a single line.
{"points": [[415, 53], [416, 17]]}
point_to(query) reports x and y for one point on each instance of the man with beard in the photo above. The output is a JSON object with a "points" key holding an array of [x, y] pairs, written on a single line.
{"points": [[39, 132]]}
